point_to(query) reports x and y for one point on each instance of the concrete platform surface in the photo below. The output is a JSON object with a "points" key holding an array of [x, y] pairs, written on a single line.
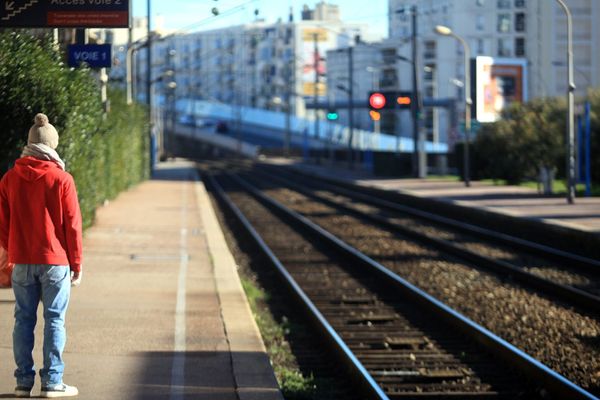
{"points": [[515, 201], [161, 312]]}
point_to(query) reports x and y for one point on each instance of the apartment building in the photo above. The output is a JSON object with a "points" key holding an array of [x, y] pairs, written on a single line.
{"points": [[263, 65], [533, 31]]}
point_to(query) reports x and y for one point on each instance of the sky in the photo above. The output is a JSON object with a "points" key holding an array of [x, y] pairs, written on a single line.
{"points": [[194, 15]]}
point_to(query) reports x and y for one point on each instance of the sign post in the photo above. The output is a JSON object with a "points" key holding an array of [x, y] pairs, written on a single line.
{"points": [[94, 55]]}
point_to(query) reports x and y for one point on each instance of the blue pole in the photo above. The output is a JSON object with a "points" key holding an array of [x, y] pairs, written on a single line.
{"points": [[588, 144], [305, 146], [369, 160], [580, 146]]}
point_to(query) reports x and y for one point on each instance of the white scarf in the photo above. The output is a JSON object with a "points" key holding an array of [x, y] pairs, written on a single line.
{"points": [[43, 152]]}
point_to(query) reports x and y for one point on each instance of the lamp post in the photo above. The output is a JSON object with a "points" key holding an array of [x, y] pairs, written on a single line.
{"points": [[570, 136], [445, 31], [149, 59], [158, 128], [350, 106], [375, 86], [419, 158]]}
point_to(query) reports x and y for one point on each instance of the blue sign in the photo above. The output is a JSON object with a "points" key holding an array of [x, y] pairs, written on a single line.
{"points": [[65, 13], [94, 55]]}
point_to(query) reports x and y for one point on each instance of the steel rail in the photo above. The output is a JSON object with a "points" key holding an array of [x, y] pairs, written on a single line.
{"points": [[348, 189], [556, 384], [362, 377], [567, 293]]}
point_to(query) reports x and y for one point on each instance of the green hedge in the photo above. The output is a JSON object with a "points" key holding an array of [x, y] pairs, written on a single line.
{"points": [[104, 155]]}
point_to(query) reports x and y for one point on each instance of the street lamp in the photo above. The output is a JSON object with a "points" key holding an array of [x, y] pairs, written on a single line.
{"points": [[445, 31], [570, 136]]}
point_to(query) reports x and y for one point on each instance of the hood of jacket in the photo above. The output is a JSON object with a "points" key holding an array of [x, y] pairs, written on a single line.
{"points": [[32, 169]]}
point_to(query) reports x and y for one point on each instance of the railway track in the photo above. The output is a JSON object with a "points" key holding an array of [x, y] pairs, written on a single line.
{"points": [[381, 324], [570, 277], [562, 336]]}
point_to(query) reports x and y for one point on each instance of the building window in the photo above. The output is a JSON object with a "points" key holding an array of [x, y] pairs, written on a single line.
{"points": [[430, 49], [503, 23], [503, 4], [429, 118], [429, 72], [480, 22], [480, 46], [389, 78], [429, 92], [389, 56], [520, 22], [519, 3], [520, 47], [504, 48]]}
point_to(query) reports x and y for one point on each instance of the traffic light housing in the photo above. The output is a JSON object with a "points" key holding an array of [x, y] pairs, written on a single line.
{"points": [[390, 100]]}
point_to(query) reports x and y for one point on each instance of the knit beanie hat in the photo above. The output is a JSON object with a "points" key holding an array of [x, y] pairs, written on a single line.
{"points": [[42, 132]]}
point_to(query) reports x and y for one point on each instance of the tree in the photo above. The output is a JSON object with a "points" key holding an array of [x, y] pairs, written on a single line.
{"points": [[528, 139]]}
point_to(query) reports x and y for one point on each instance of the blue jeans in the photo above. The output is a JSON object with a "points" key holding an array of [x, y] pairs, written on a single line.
{"points": [[52, 285]]}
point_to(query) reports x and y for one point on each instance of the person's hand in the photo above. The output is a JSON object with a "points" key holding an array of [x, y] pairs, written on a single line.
{"points": [[76, 278]]}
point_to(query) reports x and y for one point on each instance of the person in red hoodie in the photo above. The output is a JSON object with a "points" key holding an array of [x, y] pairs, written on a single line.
{"points": [[40, 226]]}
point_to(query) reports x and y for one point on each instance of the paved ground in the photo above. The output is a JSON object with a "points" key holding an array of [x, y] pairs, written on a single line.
{"points": [[160, 313], [517, 201]]}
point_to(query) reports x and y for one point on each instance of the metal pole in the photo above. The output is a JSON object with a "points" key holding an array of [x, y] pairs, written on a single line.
{"points": [[290, 96], [149, 60], [128, 64], [588, 167], [468, 102], [376, 123], [415, 110], [288, 106], [570, 135], [316, 93], [81, 36], [129, 67], [152, 134], [375, 85], [419, 156], [55, 38], [104, 82], [350, 105]]}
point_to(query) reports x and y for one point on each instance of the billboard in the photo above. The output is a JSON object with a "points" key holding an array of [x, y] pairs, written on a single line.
{"points": [[309, 55], [498, 82], [65, 14]]}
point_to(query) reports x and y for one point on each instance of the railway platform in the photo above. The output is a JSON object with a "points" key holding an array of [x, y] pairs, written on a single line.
{"points": [[161, 312], [520, 205]]}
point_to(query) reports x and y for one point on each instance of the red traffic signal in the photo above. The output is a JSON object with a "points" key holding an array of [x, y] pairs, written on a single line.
{"points": [[377, 101]]}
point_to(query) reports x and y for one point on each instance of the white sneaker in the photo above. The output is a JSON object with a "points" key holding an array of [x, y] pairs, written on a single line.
{"points": [[59, 391]]}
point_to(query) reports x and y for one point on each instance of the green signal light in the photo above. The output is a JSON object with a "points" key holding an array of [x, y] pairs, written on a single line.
{"points": [[332, 116]]}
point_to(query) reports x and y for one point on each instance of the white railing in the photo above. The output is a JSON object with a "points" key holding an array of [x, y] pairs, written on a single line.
{"points": [[274, 124]]}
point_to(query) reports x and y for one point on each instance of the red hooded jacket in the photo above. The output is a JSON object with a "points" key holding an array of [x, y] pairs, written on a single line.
{"points": [[40, 220]]}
